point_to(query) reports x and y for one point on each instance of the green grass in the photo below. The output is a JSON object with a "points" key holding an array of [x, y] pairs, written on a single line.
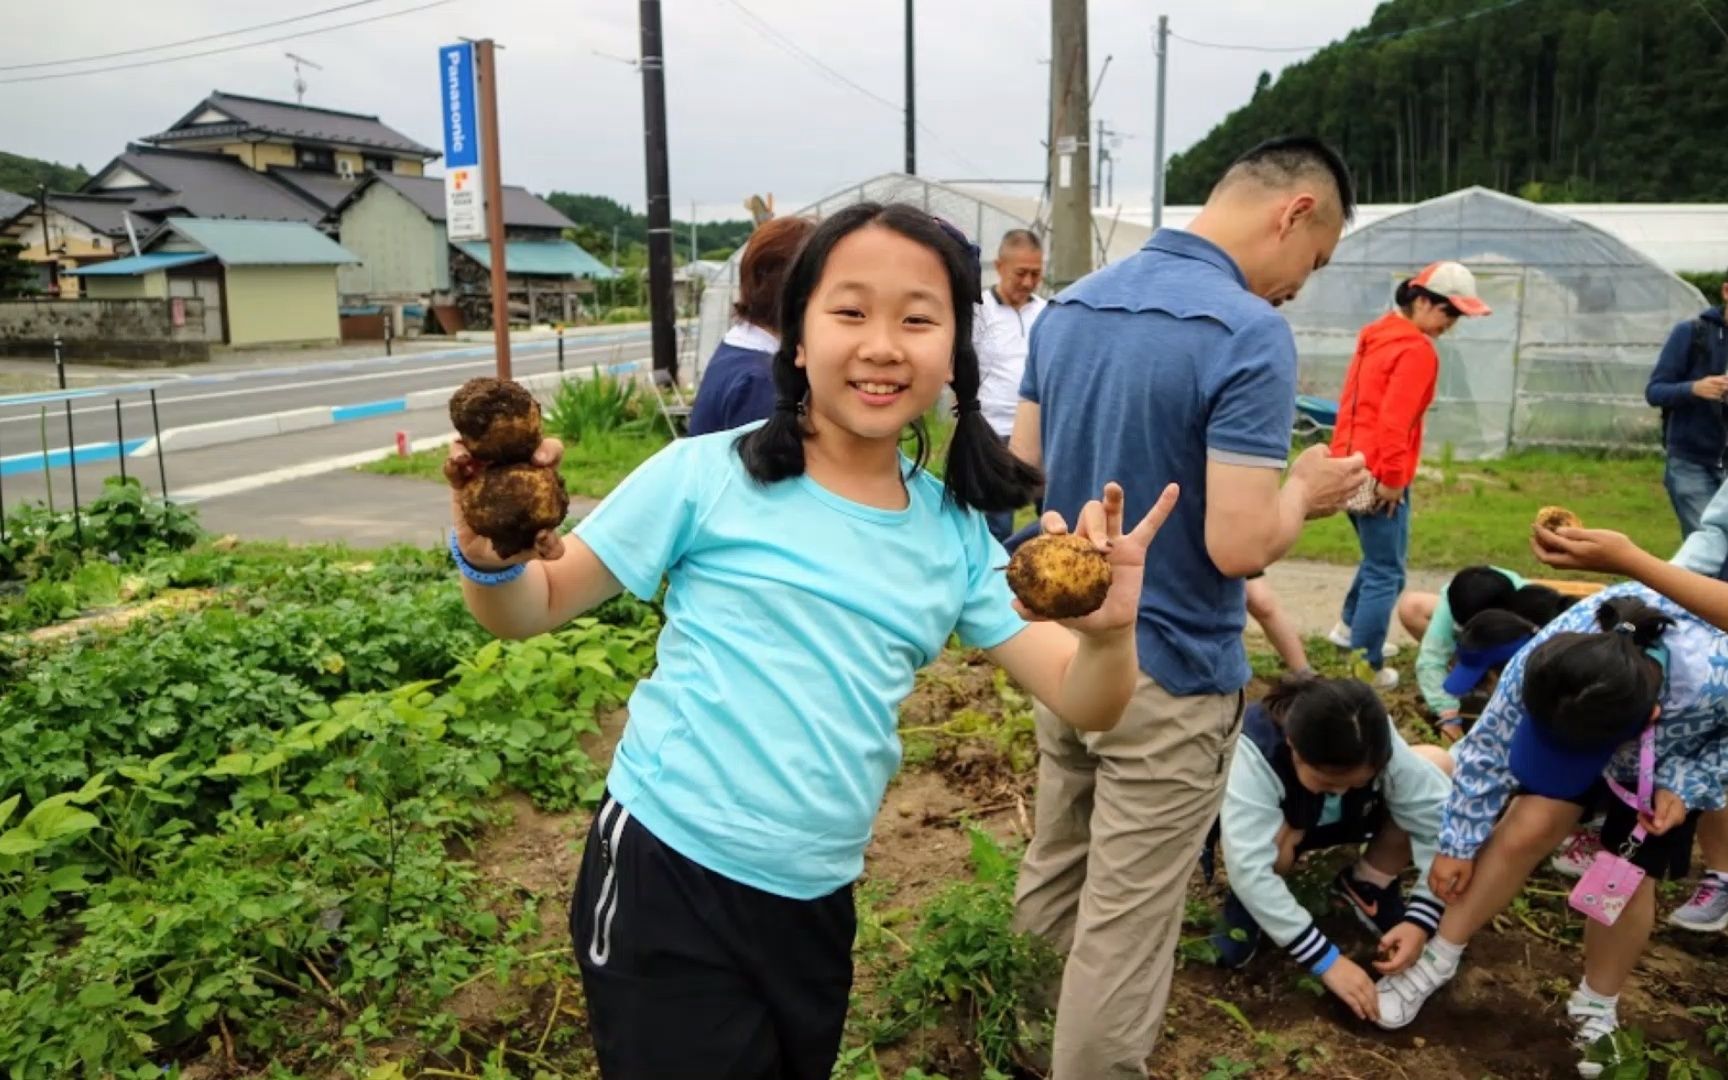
{"points": [[591, 467], [1476, 512]]}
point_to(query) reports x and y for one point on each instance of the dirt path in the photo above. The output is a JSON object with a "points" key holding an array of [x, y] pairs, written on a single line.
{"points": [[1312, 593]]}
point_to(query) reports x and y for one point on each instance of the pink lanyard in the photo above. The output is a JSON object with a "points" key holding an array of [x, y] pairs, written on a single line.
{"points": [[1646, 781]]}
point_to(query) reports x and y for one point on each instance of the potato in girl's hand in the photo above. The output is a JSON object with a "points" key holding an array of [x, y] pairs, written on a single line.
{"points": [[1059, 576], [511, 505], [1557, 517], [498, 419]]}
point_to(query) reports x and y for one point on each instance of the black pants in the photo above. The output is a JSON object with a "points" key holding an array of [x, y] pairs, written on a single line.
{"points": [[691, 975]]}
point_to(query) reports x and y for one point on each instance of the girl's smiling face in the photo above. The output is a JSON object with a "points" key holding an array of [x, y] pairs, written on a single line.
{"points": [[878, 335]]}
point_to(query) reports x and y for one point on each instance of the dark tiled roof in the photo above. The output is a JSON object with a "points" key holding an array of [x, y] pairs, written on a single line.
{"points": [[290, 121], [326, 188], [522, 208], [209, 186], [12, 205], [104, 213]]}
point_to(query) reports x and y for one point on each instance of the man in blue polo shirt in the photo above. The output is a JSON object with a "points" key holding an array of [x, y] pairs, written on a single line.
{"points": [[1170, 365]]}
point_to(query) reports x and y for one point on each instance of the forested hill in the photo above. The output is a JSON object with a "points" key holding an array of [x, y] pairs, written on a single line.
{"points": [[21, 175], [1555, 100]]}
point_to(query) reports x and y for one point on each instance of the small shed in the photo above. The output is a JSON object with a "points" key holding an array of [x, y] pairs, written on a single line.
{"points": [[262, 282], [546, 279]]}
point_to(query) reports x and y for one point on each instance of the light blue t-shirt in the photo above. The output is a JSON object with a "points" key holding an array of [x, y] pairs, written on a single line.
{"points": [[761, 746]]}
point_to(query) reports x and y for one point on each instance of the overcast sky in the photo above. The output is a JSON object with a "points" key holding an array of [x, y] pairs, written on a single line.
{"points": [[745, 114]]}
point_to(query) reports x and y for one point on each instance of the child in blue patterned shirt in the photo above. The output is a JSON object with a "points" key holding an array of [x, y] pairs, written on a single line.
{"points": [[1569, 710]]}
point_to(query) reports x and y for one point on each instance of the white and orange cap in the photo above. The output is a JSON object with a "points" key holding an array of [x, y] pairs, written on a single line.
{"points": [[1456, 283]]}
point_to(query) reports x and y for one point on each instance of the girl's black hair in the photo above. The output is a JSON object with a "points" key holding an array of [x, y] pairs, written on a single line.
{"points": [[979, 472], [1408, 291], [1474, 590], [1493, 628], [1591, 690], [1539, 604], [1335, 724]]}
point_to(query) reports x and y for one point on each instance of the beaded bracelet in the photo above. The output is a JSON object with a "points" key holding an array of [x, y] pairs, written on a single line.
{"points": [[483, 577]]}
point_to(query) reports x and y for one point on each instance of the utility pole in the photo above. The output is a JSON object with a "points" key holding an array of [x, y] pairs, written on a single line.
{"points": [[492, 181], [911, 101], [1070, 164], [52, 263], [662, 329], [692, 232], [1163, 50]]}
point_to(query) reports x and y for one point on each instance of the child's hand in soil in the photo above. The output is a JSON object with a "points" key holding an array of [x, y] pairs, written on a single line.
{"points": [[1449, 877], [1288, 841], [1354, 988], [1100, 521], [461, 467], [1400, 948]]}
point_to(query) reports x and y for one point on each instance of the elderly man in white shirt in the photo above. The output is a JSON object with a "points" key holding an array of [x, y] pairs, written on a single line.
{"points": [[1001, 332]]}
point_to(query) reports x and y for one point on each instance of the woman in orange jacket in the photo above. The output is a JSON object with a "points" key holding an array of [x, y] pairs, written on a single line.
{"points": [[1386, 394]]}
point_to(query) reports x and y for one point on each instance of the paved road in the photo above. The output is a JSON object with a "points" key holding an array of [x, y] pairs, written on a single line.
{"points": [[212, 472]]}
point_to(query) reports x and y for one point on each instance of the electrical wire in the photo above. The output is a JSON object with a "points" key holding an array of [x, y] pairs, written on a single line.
{"points": [[189, 41], [816, 62], [1453, 21], [225, 48]]}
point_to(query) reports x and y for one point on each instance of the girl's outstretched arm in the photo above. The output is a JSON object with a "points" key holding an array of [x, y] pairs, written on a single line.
{"points": [[1085, 669], [1606, 551], [563, 577]]}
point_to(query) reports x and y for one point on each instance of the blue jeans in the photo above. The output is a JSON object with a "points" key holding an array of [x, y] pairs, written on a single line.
{"points": [[1368, 607], [1690, 488], [1001, 524]]}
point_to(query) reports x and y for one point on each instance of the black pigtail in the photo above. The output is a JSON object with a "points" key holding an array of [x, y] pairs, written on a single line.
{"points": [[980, 472]]}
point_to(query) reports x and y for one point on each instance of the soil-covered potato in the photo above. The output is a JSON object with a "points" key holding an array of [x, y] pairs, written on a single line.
{"points": [[1059, 577], [512, 504], [1557, 517], [499, 420]]}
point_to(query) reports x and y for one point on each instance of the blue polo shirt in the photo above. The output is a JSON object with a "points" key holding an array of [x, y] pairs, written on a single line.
{"points": [[1143, 372]]}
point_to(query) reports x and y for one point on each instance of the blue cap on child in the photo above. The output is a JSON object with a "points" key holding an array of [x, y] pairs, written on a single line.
{"points": [[1544, 766], [1473, 665]]}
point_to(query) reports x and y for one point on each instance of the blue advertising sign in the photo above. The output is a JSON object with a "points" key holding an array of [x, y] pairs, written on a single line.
{"points": [[456, 70], [464, 208]]}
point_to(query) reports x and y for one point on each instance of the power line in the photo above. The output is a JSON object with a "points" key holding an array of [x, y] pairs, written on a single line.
{"points": [[1712, 19], [799, 51], [225, 48], [189, 41], [1452, 21]]}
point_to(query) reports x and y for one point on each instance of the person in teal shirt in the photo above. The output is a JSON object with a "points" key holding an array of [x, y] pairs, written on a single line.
{"points": [[811, 568], [1471, 591]]}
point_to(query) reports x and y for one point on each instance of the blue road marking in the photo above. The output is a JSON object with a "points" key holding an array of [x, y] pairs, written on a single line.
{"points": [[340, 413], [57, 459]]}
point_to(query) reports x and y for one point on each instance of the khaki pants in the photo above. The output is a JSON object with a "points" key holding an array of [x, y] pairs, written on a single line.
{"points": [[1121, 818]]}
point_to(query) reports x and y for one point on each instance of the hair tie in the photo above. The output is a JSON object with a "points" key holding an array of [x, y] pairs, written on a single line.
{"points": [[794, 408], [962, 408], [1625, 628]]}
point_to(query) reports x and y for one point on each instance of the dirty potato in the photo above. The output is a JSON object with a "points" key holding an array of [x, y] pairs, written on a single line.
{"points": [[499, 420], [1059, 577], [1557, 517], [512, 504]]}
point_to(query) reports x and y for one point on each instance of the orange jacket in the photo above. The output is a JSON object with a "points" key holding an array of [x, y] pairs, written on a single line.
{"points": [[1386, 394]]}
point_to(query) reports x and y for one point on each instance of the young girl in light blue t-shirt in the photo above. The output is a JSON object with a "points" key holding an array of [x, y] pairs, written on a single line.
{"points": [[812, 568]]}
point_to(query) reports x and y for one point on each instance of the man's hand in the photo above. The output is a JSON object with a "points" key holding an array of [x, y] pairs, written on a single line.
{"points": [[1669, 812], [1353, 987], [1601, 550], [1449, 877], [1400, 947], [1326, 482], [1711, 387]]}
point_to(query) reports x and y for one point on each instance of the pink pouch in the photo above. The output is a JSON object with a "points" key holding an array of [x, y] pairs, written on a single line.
{"points": [[1606, 888]]}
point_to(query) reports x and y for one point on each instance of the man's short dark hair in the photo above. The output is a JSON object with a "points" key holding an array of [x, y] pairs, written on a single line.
{"points": [[1283, 161], [1019, 238]]}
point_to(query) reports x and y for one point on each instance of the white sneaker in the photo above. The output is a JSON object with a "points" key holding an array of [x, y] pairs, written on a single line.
{"points": [[1402, 995], [1339, 635], [1577, 852], [1385, 679], [1591, 1021], [1707, 911]]}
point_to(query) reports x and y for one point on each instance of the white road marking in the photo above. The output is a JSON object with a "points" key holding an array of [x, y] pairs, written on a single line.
{"points": [[242, 484]]}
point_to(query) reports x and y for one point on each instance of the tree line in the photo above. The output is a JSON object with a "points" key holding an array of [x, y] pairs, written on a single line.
{"points": [[1554, 100]]}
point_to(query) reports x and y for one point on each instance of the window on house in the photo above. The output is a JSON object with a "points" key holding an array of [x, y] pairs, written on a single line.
{"points": [[379, 164], [315, 158]]}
